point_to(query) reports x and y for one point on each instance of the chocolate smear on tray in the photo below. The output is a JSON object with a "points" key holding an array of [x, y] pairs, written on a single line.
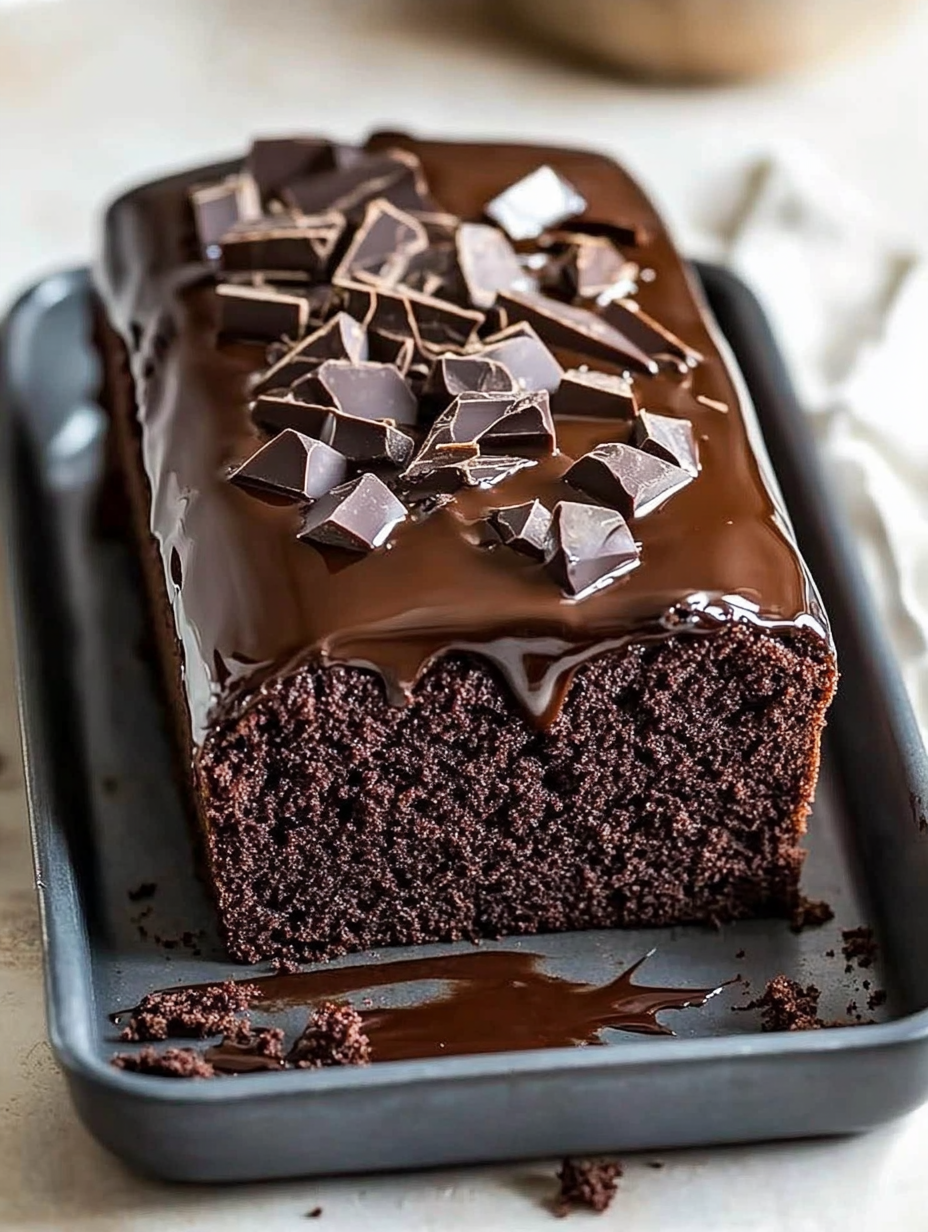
{"points": [[486, 1001]]}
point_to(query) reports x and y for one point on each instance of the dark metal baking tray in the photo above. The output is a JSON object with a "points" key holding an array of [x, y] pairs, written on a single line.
{"points": [[106, 816]]}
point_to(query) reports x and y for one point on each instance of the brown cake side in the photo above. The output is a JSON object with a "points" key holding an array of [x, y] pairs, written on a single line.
{"points": [[672, 785]]}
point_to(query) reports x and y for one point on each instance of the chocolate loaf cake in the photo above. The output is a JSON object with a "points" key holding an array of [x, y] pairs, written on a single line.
{"points": [[478, 608]]}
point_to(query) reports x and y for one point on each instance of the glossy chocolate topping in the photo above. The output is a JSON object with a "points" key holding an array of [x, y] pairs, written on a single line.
{"points": [[250, 598]]}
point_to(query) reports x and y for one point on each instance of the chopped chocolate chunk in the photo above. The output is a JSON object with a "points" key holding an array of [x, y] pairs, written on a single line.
{"points": [[443, 465], [539, 201], [487, 262], [523, 354], [168, 1063], [334, 1035], [577, 329], [526, 528], [598, 395], [382, 246], [859, 945], [394, 175], [647, 334], [667, 438], [364, 391], [359, 515], [425, 318], [366, 440], [293, 465], [278, 245], [808, 913], [198, 1011], [276, 412], [494, 421], [341, 337], [275, 162], [386, 348], [452, 375], [591, 548], [217, 207], [587, 266], [787, 1006], [586, 1182], [525, 424], [629, 480], [257, 314]]}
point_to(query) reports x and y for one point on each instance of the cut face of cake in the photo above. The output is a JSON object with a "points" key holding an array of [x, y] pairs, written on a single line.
{"points": [[478, 608]]}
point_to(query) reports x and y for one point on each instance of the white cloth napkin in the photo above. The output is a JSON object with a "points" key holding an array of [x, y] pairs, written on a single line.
{"points": [[849, 304]]}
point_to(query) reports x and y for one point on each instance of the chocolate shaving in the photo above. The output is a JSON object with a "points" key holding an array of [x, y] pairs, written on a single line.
{"points": [[539, 201], [668, 438], [598, 395], [292, 465], [629, 480], [577, 329], [592, 547], [359, 516]]}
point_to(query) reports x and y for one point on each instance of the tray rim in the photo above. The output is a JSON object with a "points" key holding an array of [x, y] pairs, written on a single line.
{"points": [[68, 1001]]}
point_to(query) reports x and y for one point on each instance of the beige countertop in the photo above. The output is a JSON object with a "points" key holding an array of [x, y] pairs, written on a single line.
{"points": [[97, 93]]}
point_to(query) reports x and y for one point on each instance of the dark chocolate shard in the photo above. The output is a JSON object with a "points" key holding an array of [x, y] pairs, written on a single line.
{"points": [[367, 441], [634, 482], [519, 349], [591, 547], [275, 412], [292, 465], [671, 439], [577, 329], [587, 266], [386, 348], [539, 201], [395, 175], [217, 207], [365, 391], [260, 314], [431, 322], [526, 528], [488, 263], [276, 161], [359, 515], [526, 424], [280, 245], [647, 334], [596, 395], [443, 466], [382, 246], [340, 338], [451, 375], [436, 272]]}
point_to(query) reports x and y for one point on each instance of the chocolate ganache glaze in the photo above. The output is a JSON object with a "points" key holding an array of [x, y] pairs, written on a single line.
{"points": [[251, 599]]}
